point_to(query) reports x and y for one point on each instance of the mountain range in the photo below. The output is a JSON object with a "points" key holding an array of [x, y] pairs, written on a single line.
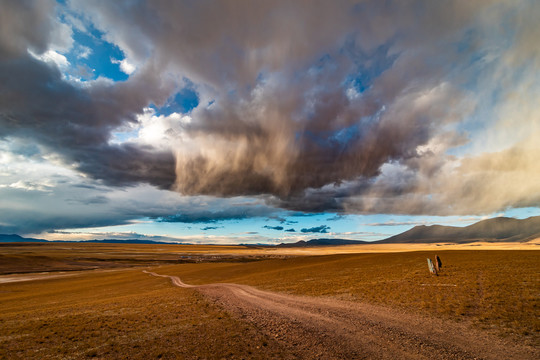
{"points": [[499, 229]]}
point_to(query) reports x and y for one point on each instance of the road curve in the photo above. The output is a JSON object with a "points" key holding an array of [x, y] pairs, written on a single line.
{"points": [[309, 327]]}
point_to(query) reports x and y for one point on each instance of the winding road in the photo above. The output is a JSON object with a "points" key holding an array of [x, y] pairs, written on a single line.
{"points": [[309, 327]]}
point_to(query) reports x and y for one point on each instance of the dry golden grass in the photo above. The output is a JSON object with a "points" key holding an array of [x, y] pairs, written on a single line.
{"points": [[38, 257], [497, 290], [124, 313], [119, 315], [391, 248]]}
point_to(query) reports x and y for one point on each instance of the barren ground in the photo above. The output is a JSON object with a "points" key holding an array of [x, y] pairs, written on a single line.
{"points": [[64, 301], [331, 329]]}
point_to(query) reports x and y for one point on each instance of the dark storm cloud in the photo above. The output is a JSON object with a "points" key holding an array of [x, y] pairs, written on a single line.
{"points": [[290, 230], [65, 206], [323, 229], [310, 105], [25, 25], [40, 219], [39, 106], [207, 217], [279, 228], [309, 100]]}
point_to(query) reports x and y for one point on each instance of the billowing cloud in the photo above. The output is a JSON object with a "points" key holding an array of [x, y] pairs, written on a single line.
{"points": [[40, 194], [409, 107], [78, 126], [75, 122], [26, 25], [309, 104]]}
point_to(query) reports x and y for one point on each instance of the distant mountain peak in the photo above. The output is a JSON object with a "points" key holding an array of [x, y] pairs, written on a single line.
{"points": [[498, 229]]}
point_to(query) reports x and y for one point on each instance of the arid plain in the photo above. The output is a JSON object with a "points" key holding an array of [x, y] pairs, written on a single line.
{"points": [[75, 300]]}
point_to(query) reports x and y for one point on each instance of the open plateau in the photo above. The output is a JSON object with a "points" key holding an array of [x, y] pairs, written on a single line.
{"points": [[373, 301]]}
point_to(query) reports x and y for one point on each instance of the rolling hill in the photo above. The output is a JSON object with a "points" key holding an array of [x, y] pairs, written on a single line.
{"points": [[500, 229]]}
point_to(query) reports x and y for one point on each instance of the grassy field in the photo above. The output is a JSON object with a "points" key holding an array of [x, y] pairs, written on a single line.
{"points": [[498, 290], [36, 257], [117, 312], [119, 315], [23, 258]]}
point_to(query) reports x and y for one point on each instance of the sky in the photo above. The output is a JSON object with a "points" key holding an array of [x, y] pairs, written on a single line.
{"points": [[266, 121]]}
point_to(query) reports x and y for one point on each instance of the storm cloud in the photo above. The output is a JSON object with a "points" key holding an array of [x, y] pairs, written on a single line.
{"points": [[342, 106], [310, 101], [37, 104]]}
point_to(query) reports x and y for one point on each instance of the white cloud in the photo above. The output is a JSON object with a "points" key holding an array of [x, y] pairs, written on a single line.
{"points": [[160, 131], [125, 66], [53, 57]]}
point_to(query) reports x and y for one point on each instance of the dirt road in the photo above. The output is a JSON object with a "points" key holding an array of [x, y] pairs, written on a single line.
{"points": [[309, 328]]}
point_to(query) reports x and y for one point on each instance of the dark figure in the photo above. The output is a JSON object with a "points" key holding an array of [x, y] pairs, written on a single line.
{"points": [[438, 263]]}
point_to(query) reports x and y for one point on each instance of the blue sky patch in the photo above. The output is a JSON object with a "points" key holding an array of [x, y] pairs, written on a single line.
{"points": [[182, 102], [101, 57]]}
